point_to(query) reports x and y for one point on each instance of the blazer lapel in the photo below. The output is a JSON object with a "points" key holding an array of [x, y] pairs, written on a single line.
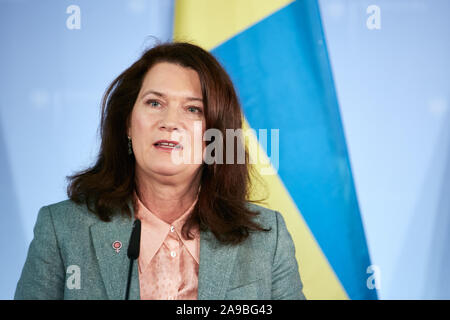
{"points": [[114, 263], [216, 263]]}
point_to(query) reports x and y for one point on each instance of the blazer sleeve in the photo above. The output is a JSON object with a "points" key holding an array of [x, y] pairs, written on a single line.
{"points": [[286, 282], [43, 274]]}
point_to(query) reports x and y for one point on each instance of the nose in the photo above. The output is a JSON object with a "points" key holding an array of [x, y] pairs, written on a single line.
{"points": [[170, 121]]}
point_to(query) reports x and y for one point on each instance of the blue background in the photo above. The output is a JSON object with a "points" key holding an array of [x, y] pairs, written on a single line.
{"points": [[392, 87]]}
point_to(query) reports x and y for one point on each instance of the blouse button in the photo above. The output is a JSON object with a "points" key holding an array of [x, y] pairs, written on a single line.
{"points": [[173, 254], [172, 228]]}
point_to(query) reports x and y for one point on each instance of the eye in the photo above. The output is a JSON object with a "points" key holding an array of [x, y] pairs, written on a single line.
{"points": [[194, 109], [153, 103]]}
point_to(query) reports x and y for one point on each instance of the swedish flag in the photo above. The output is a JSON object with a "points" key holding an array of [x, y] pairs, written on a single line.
{"points": [[276, 55]]}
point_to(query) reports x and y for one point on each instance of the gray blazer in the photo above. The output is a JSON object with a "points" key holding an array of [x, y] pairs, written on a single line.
{"points": [[71, 257]]}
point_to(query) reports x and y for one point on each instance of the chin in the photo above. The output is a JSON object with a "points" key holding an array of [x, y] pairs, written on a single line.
{"points": [[166, 169]]}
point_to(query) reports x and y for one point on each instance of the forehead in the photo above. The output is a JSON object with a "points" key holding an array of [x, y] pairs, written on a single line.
{"points": [[172, 79]]}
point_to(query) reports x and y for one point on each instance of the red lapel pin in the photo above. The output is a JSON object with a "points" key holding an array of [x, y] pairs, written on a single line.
{"points": [[117, 245]]}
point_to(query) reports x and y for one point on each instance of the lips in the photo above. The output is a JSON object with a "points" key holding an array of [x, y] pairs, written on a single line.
{"points": [[167, 145]]}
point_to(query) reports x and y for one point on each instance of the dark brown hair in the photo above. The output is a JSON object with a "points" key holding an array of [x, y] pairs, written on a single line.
{"points": [[109, 184]]}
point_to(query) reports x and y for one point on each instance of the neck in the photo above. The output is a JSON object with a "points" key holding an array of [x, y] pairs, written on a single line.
{"points": [[167, 198]]}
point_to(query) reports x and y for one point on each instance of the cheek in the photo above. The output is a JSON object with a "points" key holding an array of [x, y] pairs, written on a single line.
{"points": [[141, 122], [196, 146], [194, 131], [197, 138], [141, 126]]}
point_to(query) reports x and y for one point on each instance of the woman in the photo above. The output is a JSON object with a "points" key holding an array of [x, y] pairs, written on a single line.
{"points": [[200, 237]]}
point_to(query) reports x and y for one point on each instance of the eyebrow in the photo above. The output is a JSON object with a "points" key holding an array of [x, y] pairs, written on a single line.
{"points": [[162, 95]]}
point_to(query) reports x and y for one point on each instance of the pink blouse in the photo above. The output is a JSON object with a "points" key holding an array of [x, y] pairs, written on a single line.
{"points": [[168, 263]]}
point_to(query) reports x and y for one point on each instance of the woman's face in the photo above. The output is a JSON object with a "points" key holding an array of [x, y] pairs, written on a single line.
{"points": [[169, 108]]}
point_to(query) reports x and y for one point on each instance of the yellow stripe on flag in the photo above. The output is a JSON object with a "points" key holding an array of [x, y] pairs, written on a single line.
{"points": [[211, 22]]}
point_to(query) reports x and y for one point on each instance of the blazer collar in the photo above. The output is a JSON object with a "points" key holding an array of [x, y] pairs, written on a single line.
{"points": [[114, 264], [215, 267]]}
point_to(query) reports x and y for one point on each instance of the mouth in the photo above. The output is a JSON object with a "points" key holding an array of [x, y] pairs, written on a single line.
{"points": [[167, 145]]}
